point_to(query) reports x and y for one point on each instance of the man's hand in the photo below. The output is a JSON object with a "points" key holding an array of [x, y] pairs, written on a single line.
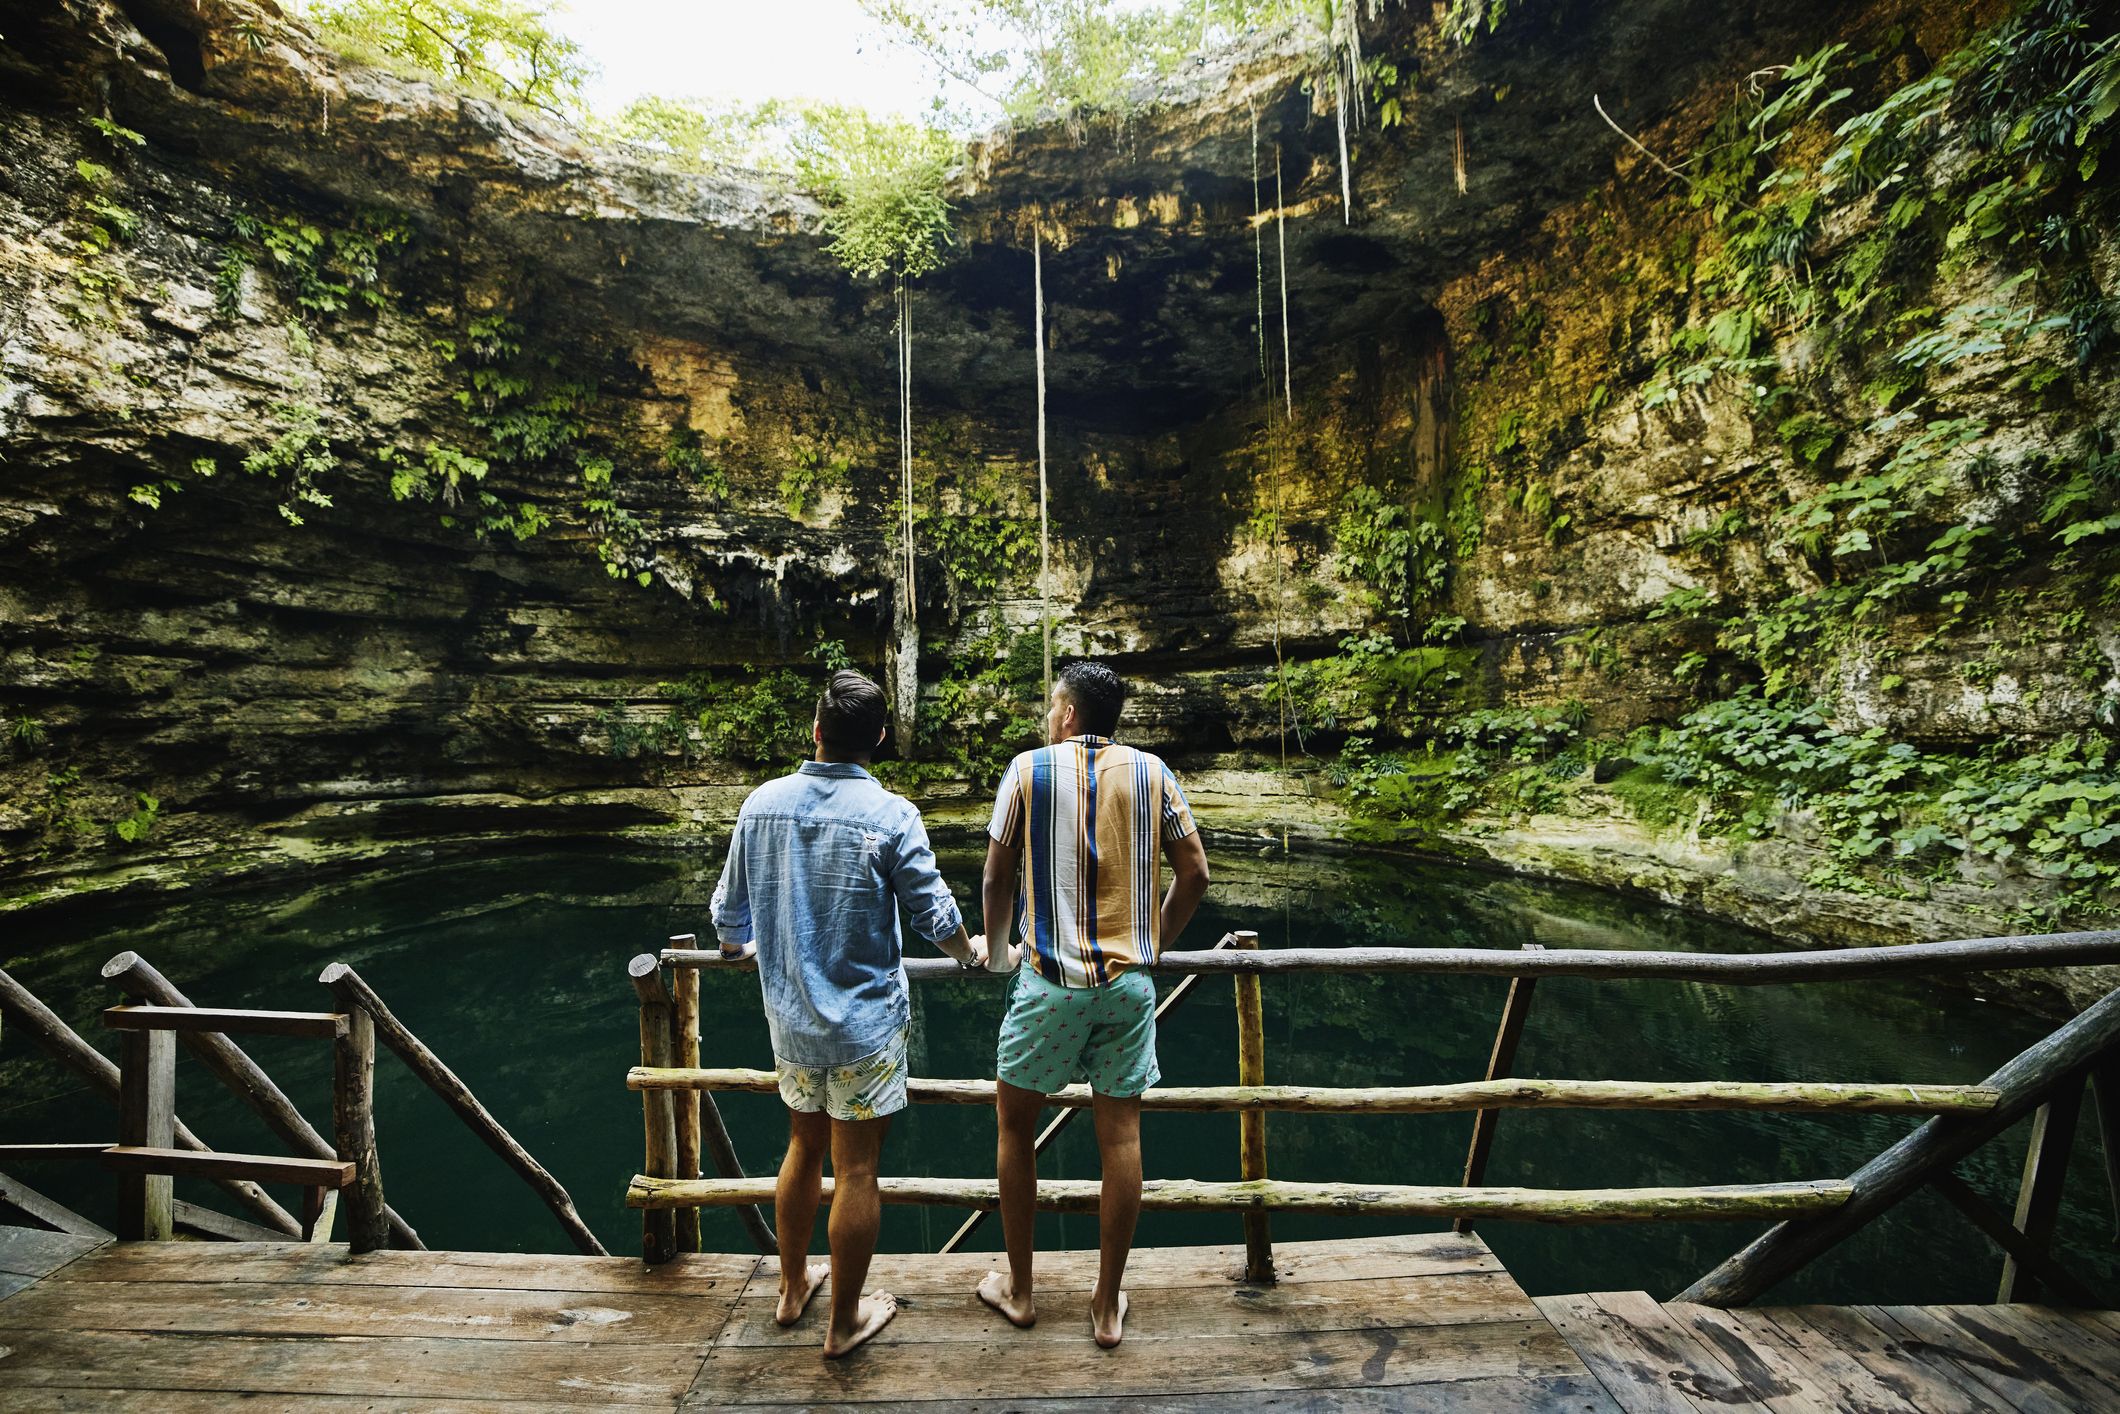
{"points": [[978, 958]]}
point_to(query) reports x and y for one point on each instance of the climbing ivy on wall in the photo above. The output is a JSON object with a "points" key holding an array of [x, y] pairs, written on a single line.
{"points": [[1918, 249]]}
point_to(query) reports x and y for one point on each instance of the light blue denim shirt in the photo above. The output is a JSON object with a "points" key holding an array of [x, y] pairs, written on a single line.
{"points": [[818, 865]]}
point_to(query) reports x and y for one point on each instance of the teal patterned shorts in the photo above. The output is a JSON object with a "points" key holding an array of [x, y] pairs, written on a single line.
{"points": [[869, 1088], [1054, 1036]]}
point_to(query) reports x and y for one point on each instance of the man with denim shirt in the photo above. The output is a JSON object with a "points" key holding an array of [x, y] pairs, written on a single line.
{"points": [[818, 865]]}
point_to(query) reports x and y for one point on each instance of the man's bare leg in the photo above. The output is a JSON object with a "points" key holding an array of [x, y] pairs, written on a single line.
{"points": [[795, 1200], [1119, 1206], [857, 1213], [1016, 1168]]}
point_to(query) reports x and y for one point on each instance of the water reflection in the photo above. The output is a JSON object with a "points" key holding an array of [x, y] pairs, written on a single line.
{"points": [[514, 971]]}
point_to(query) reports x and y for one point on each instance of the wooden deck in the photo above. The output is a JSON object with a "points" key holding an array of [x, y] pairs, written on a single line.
{"points": [[1411, 1323]]}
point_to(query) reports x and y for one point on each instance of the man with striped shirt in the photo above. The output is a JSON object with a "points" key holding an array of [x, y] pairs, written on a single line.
{"points": [[1084, 820]]}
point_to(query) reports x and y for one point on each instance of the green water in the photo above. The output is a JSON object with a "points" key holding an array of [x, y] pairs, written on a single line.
{"points": [[513, 970]]}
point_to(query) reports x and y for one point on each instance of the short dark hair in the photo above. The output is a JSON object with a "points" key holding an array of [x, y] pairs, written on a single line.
{"points": [[1097, 693], [851, 713]]}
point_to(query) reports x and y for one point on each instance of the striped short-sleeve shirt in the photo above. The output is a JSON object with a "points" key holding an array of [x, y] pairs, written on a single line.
{"points": [[1090, 817]]}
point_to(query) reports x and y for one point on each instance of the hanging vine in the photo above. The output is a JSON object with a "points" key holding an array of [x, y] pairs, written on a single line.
{"points": [[882, 186]]}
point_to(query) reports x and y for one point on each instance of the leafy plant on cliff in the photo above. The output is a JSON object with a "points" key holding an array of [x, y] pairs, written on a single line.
{"points": [[322, 269], [299, 456], [881, 181], [1401, 562]]}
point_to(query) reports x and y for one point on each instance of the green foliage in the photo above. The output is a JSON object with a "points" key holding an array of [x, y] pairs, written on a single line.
{"points": [[98, 226], [984, 708], [322, 270], [135, 827], [151, 493], [685, 454], [980, 546], [1401, 563], [499, 48], [300, 456], [814, 474], [1374, 686], [881, 181], [1889, 814], [1467, 19], [25, 734]]}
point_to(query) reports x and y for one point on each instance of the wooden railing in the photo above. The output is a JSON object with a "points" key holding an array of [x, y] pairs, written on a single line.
{"points": [[154, 1146], [1813, 1215]]}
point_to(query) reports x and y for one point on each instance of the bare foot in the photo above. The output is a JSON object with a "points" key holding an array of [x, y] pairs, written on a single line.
{"points": [[794, 1303], [998, 1290], [1109, 1328], [871, 1316]]}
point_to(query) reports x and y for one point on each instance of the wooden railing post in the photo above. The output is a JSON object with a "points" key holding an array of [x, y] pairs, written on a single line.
{"points": [[684, 1022], [1251, 1125], [2039, 1194], [147, 1118], [1501, 1063], [658, 1234], [353, 1126]]}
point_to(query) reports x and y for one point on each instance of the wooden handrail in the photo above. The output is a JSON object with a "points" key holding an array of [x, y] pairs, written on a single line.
{"points": [[158, 997], [323, 1025], [65, 1045], [1796, 1095], [1820, 965], [261, 1168], [1547, 1205], [2025, 1081], [351, 990]]}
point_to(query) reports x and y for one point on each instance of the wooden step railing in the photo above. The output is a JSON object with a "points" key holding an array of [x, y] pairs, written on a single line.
{"points": [[1811, 1215], [146, 1158]]}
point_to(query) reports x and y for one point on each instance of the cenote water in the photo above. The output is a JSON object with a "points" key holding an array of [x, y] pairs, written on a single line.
{"points": [[513, 970]]}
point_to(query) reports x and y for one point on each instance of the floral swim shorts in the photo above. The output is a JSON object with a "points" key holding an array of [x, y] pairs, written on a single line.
{"points": [[869, 1088], [1053, 1035]]}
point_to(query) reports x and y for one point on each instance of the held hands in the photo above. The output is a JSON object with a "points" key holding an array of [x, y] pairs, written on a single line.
{"points": [[982, 955], [978, 954]]}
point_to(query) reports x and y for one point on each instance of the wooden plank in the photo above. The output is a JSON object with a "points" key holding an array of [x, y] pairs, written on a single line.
{"points": [[1501, 1063], [2039, 1193], [323, 1025], [1641, 1378], [1550, 1394], [955, 1314], [1826, 1376], [1381, 1356], [32, 1252], [1648, 1350], [452, 1368], [1829, 964], [1927, 1331], [2066, 1342], [205, 1222], [699, 1274], [108, 1401], [306, 1309], [147, 1112], [1337, 1259], [1550, 1205], [1251, 1125], [261, 1168], [44, 1153], [1920, 1377], [16, 1194], [1769, 1383], [1806, 1097]]}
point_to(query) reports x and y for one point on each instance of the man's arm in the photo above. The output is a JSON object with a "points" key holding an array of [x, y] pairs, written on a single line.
{"points": [[997, 897], [1188, 885], [917, 881], [731, 908]]}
